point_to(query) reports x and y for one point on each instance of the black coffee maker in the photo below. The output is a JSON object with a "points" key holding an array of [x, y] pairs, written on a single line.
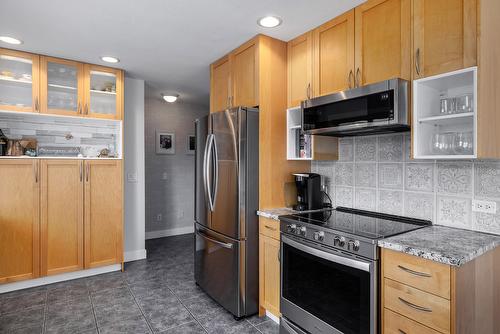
{"points": [[309, 195], [3, 144]]}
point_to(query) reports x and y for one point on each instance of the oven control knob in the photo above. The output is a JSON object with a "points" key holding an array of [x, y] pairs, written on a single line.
{"points": [[302, 231], [353, 245], [291, 228], [339, 241], [319, 236]]}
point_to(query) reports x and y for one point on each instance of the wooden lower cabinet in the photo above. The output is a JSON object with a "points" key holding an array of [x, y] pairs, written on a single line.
{"points": [[422, 296], [103, 213], [269, 275], [19, 222], [61, 216]]}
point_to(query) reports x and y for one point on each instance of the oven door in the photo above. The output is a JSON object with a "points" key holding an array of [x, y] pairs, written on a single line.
{"points": [[326, 291]]}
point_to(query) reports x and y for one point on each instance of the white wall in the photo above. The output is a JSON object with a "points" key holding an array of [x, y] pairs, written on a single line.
{"points": [[170, 178], [134, 170]]}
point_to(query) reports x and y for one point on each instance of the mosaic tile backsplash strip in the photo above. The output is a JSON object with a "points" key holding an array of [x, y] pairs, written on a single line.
{"points": [[376, 173], [89, 135]]}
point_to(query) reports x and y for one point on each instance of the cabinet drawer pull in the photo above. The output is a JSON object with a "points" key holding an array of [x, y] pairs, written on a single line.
{"points": [[416, 307], [86, 109], [357, 79], [79, 108], [87, 172], [417, 61], [81, 171], [308, 91], [401, 331], [35, 170], [36, 103], [269, 227], [413, 272], [349, 78]]}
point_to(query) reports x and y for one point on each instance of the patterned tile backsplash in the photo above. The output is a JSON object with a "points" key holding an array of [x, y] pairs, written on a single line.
{"points": [[377, 173], [89, 135]]}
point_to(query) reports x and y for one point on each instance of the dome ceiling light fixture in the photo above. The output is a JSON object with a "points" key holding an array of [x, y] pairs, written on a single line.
{"points": [[170, 98], [269, 21], [110, 59], [10, 40]]}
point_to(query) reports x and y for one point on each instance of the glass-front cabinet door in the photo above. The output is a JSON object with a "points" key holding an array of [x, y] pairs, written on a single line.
{"points": [[61, 84], [19, 73], [104, 89]]}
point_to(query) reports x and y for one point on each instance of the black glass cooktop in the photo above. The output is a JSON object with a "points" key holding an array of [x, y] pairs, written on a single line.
{"points": [[366, 224]]}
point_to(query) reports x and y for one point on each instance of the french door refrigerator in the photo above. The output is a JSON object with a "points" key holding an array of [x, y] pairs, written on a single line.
{"points": [[226, 201]]}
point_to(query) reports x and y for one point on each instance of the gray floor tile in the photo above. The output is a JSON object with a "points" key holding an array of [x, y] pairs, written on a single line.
{"points": [[106, 281], [20, 321], [256, 320], [223, 322], [157, 287], [186, 290], [111, 296], [70, 317], [21, 300], [202, 305], [65, 294], [114, 313], [268, 327], [189, 328], [163, 315], [135, 325]]}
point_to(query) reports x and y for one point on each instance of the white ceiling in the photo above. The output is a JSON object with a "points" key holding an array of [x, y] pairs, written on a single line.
{"points": [[168, 43]]}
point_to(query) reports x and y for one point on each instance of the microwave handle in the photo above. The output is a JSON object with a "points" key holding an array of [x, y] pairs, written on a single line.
{"points": [[356, 264]]}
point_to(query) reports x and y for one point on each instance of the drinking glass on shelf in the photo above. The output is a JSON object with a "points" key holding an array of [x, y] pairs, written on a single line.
{"points": [[463, 143], [447, 105], [441, 143], [464, 103]]}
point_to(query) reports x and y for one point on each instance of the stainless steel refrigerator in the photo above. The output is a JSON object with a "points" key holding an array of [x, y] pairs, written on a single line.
{"points": [[226, 201]]}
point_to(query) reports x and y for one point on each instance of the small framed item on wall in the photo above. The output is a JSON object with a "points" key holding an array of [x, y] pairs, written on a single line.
{"points": [[165, 142], [191, 144]]}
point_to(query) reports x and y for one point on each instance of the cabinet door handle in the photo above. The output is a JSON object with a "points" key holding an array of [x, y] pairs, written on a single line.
{"points": [[308, 91], [87, 172], [86, 109], [81, 171], [349, 78], [270, 228], [417, 61], [35, 170], [413, 272], [401, 331], [414, 306], [79, 108], [279, 255], [36, 103], [357, 79]]}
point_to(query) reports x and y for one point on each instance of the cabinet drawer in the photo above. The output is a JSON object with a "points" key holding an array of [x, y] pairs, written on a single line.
{"points": [[397, 324], [420, 273], [270, 228], [427, 309]]}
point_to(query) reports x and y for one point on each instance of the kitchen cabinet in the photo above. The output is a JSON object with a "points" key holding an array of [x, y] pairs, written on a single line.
{"points": [[19, 222], [244, 71], [61, 216], [333, 60], [19, 81], [423, 296], [103, 92], [445, 37], [220, 85], [300, 57], [61, 86], [103, 212], [269, 266], [382, 41]]}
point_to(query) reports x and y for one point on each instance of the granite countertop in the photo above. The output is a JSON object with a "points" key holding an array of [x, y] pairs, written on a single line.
{"points": [[451, 246], [277, 212]]}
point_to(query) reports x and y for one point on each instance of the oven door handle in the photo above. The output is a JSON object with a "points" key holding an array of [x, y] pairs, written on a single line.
{"points": [[357, 264]]}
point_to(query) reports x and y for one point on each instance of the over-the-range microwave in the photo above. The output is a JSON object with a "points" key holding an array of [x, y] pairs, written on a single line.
{"points": [[377, 108]]}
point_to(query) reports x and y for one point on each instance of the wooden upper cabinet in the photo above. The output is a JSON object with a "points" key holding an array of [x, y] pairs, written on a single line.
{"points": [[220, 84], [19, 222], [382, 41], [61, 86], [103, 212], [334, 55], [444, 36], [245, 75], [61, 216], [300, 54], [103, 92], [19, 81]]}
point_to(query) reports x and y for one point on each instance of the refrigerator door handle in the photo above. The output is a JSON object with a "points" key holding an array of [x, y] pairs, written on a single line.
{"points": [[206, 171], [220, 243], [216, 171]]}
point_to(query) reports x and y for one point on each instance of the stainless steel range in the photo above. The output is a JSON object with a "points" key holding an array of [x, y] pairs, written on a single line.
{"points": [[329, 269]]}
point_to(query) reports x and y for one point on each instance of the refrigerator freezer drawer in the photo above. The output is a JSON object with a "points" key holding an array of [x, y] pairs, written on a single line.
{"points": [[217, 268]]}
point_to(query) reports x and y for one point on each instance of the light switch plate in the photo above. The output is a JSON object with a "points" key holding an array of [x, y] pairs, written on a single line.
{"points": [[132, 177], [484, 206]]}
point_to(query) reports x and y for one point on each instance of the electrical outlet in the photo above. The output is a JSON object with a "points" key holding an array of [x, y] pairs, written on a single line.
{"points": [[132, 177], [484, 206], [164, 176], [159, 217]]}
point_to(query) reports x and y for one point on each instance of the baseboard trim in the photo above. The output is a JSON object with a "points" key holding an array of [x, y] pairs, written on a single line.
{"points": [[272, 317], [57, 278], [169, 232], [139, 254]]}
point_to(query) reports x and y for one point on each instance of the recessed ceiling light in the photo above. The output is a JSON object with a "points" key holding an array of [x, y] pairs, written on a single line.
{"points": [[109, 59], [170, 98], [269, 21], [10, 40]]}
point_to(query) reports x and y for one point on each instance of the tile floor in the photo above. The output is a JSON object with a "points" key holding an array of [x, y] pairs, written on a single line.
{"points": [[157, 295]]}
